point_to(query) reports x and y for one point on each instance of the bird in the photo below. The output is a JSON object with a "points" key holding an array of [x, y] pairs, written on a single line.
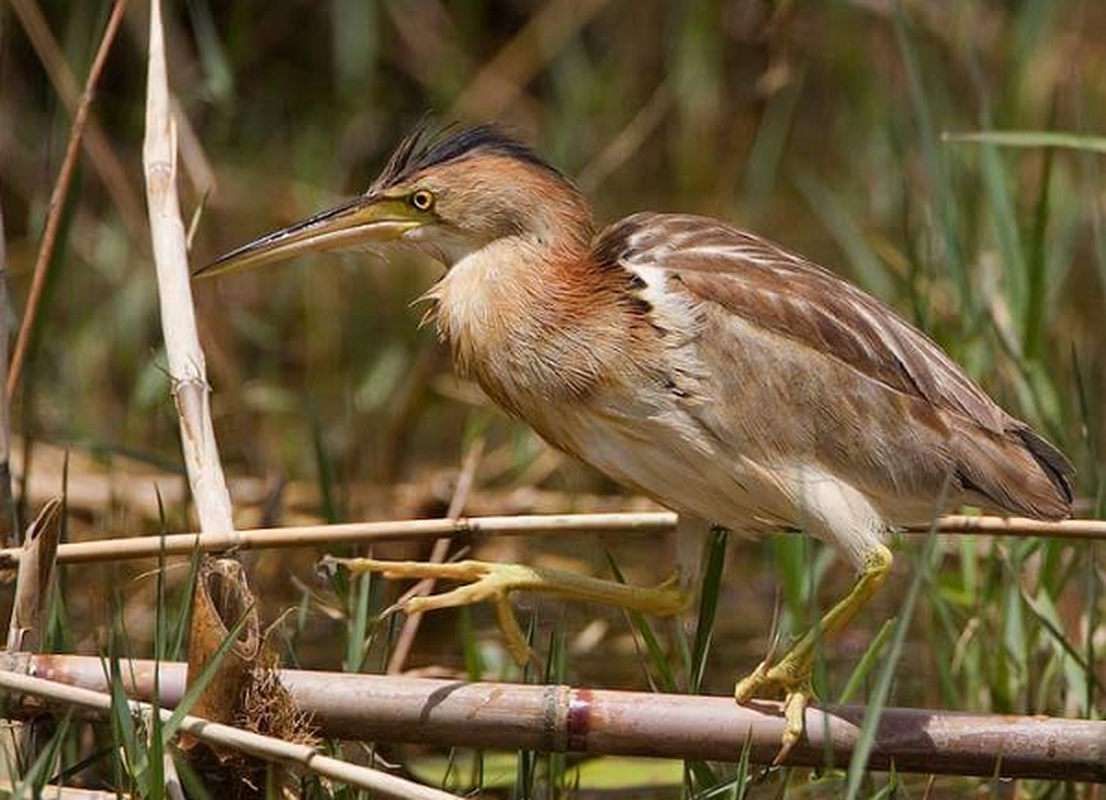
{"points": [[717, 372]]}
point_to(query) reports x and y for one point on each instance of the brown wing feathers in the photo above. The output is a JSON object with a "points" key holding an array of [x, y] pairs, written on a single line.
{"points": [[997, 457]]}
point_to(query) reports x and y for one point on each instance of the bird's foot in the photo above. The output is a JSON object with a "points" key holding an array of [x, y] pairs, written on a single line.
{"points": [[491, 582], [791, 676]]}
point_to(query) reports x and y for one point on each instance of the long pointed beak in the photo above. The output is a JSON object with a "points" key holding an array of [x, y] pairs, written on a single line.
{"points": [[363, 220]]}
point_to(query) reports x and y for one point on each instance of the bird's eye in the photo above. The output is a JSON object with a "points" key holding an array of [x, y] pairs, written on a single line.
{"points": [[422, 200]]}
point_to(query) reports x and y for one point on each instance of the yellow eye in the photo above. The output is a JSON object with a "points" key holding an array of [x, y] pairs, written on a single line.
{"points": [[422, 200]]}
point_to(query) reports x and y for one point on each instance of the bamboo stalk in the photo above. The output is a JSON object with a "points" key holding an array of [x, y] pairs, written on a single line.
{"points": [[645, 522], [217, 734], [564, 719], [58, 197]]}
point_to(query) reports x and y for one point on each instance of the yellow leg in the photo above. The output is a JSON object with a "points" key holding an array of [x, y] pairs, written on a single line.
{"points": [[489, 582], [791, 674]]}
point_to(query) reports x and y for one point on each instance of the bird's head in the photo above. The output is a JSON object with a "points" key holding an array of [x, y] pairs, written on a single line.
{"points": [[448, 195]]}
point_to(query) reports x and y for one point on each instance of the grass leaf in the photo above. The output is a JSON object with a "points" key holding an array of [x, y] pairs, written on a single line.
{"points": [[878, 698], [1031, 139]]}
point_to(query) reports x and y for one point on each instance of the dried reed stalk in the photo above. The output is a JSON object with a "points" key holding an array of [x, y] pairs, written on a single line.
{"points": [[58, 197], [219, 735], [565, 719], [637, 523], [222, 595], [178, 319]]}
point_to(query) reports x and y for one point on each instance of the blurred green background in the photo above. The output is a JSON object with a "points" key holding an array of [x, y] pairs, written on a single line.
{"points": [[818, 124]]}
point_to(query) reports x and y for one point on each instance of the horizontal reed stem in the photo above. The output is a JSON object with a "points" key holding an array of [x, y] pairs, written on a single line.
{"points": [[522, 525], [564, 719]]}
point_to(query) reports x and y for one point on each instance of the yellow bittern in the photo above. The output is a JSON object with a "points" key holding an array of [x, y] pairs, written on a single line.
{"points": [[708, 368]]}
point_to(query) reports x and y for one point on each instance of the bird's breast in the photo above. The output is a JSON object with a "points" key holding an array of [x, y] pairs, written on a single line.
{"points": [[534, 333]]}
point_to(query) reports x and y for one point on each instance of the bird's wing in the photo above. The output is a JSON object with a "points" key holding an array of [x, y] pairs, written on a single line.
{"points": [[788, 295], [794, 297]]}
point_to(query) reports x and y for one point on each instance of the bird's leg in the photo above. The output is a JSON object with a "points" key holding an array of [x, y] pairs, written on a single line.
{"points": [[490, 582], [792, 672]]}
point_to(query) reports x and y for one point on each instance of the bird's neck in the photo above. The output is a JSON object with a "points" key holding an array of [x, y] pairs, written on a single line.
{"points": [[526, 318]]}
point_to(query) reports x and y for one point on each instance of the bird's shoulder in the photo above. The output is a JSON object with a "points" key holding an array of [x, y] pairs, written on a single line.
{"points": [[777, 290]]}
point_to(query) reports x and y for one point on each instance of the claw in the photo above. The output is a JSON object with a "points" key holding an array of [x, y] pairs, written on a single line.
{"points": [[752, 684]]}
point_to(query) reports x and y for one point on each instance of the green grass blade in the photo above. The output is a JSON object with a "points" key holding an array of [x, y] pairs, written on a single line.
{"points": [[324, 470], [1030, 139], [180, 624], [1047, 618], [123, 725], [867, 662], [944, 200], [527, 759], [741, 779], [710, 591], [358, 624], [555, 674], [193, 784], [878, 698], [1038, 257], [37, 775], [665, 680], [1004, 219]]}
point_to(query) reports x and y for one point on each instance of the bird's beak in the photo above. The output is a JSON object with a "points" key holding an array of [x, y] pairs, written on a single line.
{"points": [[365, 220]]}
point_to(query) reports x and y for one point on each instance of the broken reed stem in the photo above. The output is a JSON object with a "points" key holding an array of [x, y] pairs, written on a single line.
{"points": [[58, 197], [635, 523], [225, 736], [32, 591], [178, 319], [503, 716], [36, 571]]}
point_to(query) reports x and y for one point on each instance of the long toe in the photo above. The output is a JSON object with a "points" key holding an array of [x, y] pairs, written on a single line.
{"points": [[794, 713]]}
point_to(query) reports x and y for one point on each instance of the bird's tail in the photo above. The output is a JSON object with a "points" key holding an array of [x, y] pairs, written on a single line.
{"points": [[1016, 472]]}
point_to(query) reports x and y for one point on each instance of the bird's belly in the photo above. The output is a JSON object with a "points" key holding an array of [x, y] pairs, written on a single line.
{"points": [[662, 454]]}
